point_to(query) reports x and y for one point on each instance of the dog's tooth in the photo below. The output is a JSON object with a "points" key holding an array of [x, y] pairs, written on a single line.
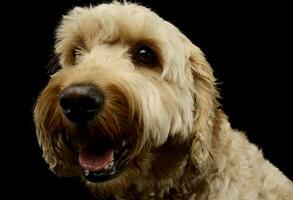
{"points": [[109, 165], [86, 172], [113, 169]]}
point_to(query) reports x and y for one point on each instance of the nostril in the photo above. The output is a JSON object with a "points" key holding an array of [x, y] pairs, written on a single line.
{"points": [[80, 103]]}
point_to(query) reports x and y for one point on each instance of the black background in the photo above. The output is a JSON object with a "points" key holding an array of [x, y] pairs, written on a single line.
{"points": [[247, 44]]}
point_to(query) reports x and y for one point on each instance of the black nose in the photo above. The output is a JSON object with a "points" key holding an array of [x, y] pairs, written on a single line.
{"points": [[81, 103]]}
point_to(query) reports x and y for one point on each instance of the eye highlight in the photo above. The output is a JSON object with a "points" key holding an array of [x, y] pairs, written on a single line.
{"points": [[145, 55]]}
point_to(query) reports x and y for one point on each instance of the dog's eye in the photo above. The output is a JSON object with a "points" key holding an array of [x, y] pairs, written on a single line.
{"points": [[76, 53], [145, 55]]}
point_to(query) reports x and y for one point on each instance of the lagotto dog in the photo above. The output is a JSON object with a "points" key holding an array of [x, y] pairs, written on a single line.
{"points": [[133, 111]]}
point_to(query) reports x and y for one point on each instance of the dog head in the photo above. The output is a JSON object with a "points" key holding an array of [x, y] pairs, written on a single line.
{"points": [[129, 82]]}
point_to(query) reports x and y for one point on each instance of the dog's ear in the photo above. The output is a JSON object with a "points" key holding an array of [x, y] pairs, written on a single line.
{"points": [[205, 103]]}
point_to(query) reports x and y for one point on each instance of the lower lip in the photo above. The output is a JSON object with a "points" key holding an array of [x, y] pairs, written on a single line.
{"points": [[98, 177]]}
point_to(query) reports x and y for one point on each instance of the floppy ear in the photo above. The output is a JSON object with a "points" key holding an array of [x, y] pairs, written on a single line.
{"points": [[205, 104]]}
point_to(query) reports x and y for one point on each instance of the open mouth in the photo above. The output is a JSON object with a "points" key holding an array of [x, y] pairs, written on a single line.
{"points": [[101, 161]]}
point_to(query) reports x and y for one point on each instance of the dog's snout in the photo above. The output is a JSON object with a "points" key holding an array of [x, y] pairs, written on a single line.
{"points": [[81, 103]]}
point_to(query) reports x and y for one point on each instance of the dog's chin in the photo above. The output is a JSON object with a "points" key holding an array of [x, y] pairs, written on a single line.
{"points": [[104, 161]]}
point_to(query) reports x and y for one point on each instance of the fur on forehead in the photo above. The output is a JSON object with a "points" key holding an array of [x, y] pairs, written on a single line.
{"points": [[125, 24]]}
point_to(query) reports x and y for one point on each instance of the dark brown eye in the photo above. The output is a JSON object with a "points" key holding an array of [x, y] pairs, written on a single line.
{"points": [[76, 52], [145, 55]]}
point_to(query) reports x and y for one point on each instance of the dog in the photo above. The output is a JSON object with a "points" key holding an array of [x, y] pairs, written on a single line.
{"points": [[134, 113]]}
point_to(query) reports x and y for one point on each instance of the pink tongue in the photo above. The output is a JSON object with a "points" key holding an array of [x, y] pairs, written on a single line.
{"points": [[95, 162]]}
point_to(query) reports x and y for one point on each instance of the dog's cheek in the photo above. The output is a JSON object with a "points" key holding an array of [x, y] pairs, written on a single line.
{"points": [[59, 167], [152, 114], [179, 105], [48, 122]]}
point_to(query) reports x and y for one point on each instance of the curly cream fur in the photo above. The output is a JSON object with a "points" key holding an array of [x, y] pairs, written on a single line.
{"points": [[184, 145]]}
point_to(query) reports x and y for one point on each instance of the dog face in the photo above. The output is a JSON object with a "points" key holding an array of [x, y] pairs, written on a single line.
{"points": [[129, 81]]}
